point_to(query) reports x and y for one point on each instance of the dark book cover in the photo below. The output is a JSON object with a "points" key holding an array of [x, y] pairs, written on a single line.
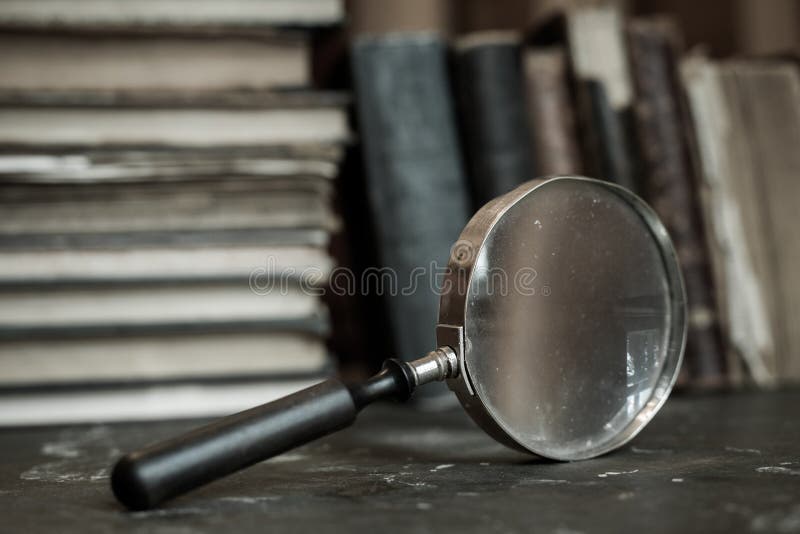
{"points": [[415, 183], [491, 112], [604, 93], [606, 138], [669, 185], [551, 118], [294, 99], [316, 326]]}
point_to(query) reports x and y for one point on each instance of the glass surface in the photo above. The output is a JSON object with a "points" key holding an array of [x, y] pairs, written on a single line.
{"points": [[568, 322]]}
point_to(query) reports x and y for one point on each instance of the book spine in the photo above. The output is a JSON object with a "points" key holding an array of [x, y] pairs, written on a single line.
{"points": [[491, 105], [550, 116], [669, 185], [604, 93], [606, 137], [767, 96], [415, 183]]}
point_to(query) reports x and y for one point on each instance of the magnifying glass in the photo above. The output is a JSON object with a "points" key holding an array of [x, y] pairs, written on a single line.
{"points": [[561, 330]]}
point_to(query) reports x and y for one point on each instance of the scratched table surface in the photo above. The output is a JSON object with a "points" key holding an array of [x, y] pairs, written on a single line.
{"points": [[705, 464]]}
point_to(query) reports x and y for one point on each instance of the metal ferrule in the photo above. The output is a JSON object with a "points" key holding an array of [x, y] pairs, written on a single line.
{"points": [[438, 365]]}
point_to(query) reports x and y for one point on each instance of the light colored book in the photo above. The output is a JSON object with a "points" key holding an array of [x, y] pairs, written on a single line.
{"points": [[169, 13], [183, 127], [79, 168], [748, 129], [144, 403], [142, 62], [152, 357], [221, 204], [144, 305], [598, 51], [161, 263]]}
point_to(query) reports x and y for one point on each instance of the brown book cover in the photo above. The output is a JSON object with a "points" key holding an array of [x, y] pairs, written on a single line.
{"points": [[668, 184], [551, 118]]}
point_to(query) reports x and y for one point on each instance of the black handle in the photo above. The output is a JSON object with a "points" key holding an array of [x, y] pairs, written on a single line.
{"points": [[145, 478]]}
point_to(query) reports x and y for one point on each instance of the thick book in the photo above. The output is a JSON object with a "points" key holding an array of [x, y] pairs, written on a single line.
{"points": [[669, 186], [227, 202], [113, 14], [491, 113], [205, 261], [175, 356], [53, 119], [143, 401], [604, 89], [415, 182], [766, 94], [96, 166], [731, 201], [142, 61], [28, 309], [551, 117], [177, 239]]}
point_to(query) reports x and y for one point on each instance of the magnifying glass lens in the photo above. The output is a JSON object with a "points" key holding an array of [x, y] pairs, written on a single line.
{"points": [[573, 324]]}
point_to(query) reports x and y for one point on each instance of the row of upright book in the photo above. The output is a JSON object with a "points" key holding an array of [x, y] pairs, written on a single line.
{"points": [[166, 181], [447, 125]]}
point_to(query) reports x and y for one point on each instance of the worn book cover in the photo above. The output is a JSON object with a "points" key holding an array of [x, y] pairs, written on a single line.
{"points": [[730, 201], [491, 113], [416, 186], [668, 185], [551, 115]]}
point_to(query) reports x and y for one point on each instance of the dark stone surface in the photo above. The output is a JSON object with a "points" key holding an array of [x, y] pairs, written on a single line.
{"points": [[705, 464]]}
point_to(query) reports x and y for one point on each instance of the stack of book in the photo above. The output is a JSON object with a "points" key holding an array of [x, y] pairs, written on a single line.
{"points": [[166, 177], [710, 145]]}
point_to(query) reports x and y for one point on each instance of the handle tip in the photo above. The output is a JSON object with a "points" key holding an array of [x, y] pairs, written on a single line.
{"points": [[128, 486]]}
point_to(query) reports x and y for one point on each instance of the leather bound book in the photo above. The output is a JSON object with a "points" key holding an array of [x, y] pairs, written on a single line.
{"points": [[669, 185], [551, 119], [605, 137], [415, 183], [491, 105]]}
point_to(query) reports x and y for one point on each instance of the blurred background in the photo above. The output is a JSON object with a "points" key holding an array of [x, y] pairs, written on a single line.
{"points": [[200, 199]]}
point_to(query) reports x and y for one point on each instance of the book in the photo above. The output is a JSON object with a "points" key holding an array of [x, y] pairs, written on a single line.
{"points": [[112, 14], [109, 166], [228, 202], [730, 199], [142, 402], [668, 185], [178, 239], [24, 309], [97, 119], [204, 261], [491, 111], [415, 182], [766, 96], [192, 356], [143, 61], [551, 118], [598, 55]]}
